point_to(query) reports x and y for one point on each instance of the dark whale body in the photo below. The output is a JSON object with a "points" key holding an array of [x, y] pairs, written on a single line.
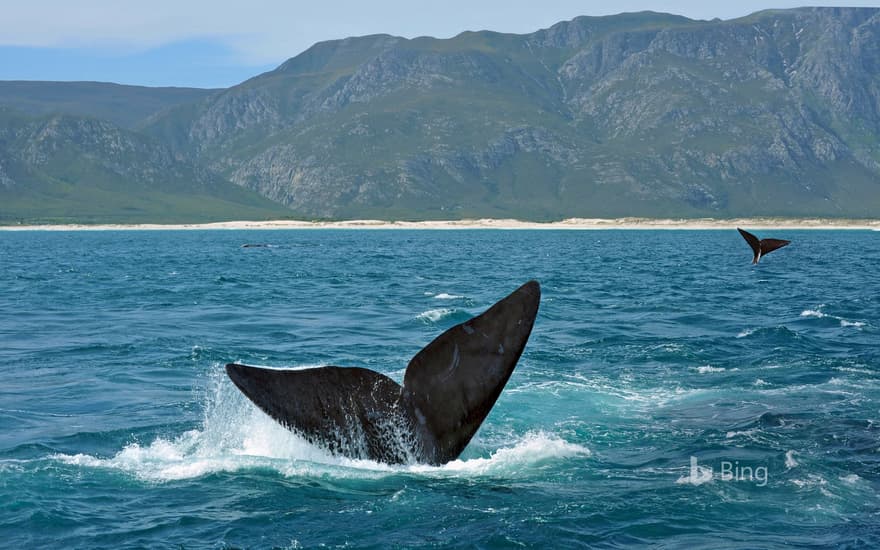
{"points": [[761, 247], [448, 390]]}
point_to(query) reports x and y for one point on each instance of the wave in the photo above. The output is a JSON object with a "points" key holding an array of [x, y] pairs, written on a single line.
{"points": [[811, 481], [191, 456], [236, 436], [705, 369], [751, 433], [819, 314], [445, 296], [855, 370], [528, 451], [610, 391], [814, 312], [436, 315], [851, 479], [779, 331]]}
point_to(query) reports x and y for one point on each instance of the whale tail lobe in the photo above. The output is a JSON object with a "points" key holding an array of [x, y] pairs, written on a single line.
{"points": [[761, 247]]}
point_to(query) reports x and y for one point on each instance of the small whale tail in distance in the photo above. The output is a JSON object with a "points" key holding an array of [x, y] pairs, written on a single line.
{"points": [[761, 247]]}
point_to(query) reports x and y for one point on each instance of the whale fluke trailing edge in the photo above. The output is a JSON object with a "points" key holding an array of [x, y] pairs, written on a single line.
{"points": [[448, 389], [761, 247]]}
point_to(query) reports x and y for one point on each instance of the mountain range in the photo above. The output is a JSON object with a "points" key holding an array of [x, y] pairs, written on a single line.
{"points": [[641, 114]]}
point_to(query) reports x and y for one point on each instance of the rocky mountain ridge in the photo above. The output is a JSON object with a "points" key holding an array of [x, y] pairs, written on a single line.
{"points": [[641, 114]]}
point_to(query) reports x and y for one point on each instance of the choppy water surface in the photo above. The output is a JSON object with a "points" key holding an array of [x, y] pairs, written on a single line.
{"points": [[656, 356]]}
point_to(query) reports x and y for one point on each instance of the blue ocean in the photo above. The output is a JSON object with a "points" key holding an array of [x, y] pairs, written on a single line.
{"points": [[672, 395]]}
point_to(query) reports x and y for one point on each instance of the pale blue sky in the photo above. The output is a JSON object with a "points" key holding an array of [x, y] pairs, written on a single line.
{"points": [[219, 43]]}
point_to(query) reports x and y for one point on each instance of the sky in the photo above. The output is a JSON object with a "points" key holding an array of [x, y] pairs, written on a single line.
{"points": [[219, 43]]}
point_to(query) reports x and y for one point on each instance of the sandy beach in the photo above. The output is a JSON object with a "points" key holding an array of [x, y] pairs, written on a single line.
{"points": [[511, 224]]}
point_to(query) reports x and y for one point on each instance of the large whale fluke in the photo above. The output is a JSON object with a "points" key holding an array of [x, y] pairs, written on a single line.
{"points": [[448, 389], [761, 247]]}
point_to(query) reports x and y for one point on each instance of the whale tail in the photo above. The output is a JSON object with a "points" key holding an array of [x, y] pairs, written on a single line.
{"points": [[353, 412], [448, 389], [761, 247]]}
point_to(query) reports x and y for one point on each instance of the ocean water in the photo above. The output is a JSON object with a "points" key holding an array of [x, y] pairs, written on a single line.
{"points": [[671, 394]]}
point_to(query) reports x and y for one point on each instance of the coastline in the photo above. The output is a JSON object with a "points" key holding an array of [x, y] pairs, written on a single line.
{"points": [[485, 223]]}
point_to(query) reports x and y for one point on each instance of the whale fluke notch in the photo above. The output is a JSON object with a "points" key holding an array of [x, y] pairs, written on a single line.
{"points": [[448, 389], [761, 247]]}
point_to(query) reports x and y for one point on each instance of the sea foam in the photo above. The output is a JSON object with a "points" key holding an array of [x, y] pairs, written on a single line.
{"points": [[705, 369], [819, 314], [236, 436], [435, 315], [445, 296]]}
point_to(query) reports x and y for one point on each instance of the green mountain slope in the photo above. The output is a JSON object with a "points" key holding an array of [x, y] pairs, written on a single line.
{"points": [[72, 169], [639, 114], [125, 106]]}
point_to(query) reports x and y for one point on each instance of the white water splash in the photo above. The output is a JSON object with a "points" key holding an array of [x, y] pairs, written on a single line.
{"points": [[236, 436], [445, 296], [529, 451], [812, 481], [435, 315], [790, 462], [850, 479], [749, 434], [819, 314], [814, 312], [705, 369]]}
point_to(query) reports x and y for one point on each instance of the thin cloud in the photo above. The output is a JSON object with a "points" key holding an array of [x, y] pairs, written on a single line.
{"points": [[262, 31]]}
